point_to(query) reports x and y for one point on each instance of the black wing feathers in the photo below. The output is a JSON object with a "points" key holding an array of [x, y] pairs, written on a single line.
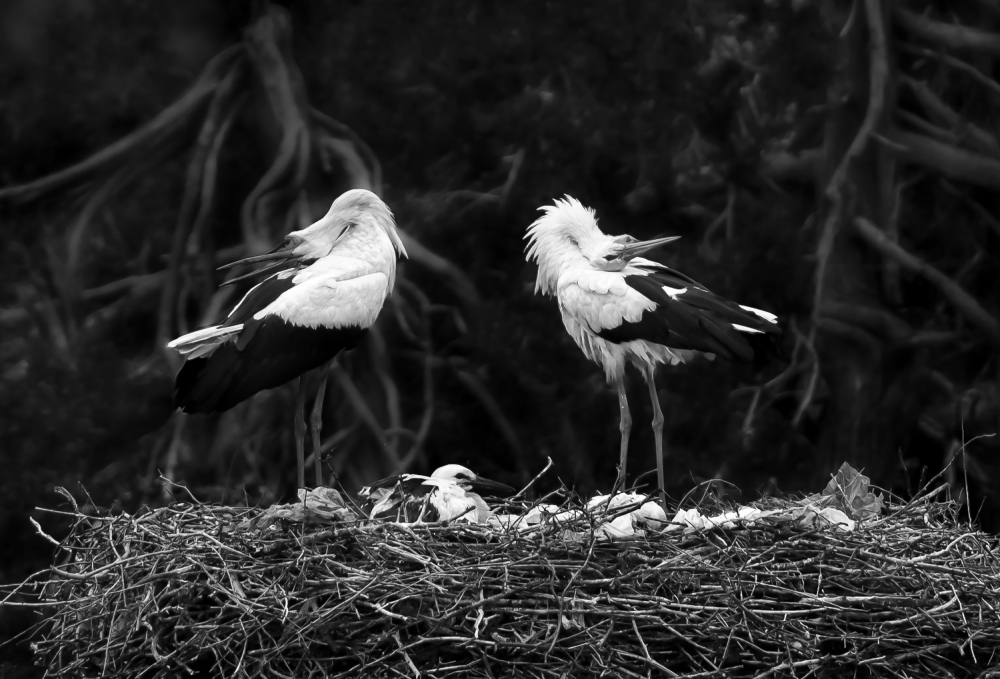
{"points": [[259, 297], [411, 483], [268, 353], [693, 319], [278, 352]]}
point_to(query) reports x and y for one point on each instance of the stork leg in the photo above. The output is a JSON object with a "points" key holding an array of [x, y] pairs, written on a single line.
{"points": [[316, 420], [300, 433], [625, 425], [647, 372]]}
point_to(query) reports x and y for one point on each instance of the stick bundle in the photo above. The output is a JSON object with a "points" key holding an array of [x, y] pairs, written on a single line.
{"points": [[180, 590]]}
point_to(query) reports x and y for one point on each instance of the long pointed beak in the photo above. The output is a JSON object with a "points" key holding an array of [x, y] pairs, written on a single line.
{"points": [[278, 253], [254, 274], [630, 250], [281, 256], [484, 486]]}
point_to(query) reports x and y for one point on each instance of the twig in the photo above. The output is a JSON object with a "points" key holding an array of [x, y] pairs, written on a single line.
{"points": [[945, 159], [962, 301], [947, 35], [539, 475], [170, 122]]}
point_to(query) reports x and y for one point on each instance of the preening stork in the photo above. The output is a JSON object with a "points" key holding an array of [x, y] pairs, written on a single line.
{"points": [[448, 493], [331, 281], [619, 307]]}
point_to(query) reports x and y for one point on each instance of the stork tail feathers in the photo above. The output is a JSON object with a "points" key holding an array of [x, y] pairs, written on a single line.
{"points": [[203, 342], [266, 355]]}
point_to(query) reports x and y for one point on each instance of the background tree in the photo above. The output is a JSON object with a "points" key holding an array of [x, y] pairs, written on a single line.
{"points": [[835, 162]]}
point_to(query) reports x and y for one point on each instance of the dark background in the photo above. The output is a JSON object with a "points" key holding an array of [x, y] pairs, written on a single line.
{"points": [[721, 121]]}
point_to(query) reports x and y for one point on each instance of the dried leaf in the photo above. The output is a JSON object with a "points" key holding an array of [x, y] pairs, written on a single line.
{"points": [[852, 491], [319, 505]]}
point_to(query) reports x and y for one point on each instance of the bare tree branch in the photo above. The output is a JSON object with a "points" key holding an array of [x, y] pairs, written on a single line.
{"points": [[357, 158], [193, 202], [950, 36], [955, 63], [793, 167], [363, 411], [930, 129], [267, 43], [971, 135], [945, 159], [878, 83], [963, 301], [876, 320], [876, 100], [458, 281], [159, 131]]}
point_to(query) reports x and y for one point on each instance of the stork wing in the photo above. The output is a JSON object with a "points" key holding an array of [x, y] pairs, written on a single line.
{"points": [[205, 341], [653, 303], [329, 301], [300, 329], [600, 300], [409, 482]]}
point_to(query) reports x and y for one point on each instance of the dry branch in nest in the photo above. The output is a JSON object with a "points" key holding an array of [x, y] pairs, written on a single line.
{"points": [[183, 589]]}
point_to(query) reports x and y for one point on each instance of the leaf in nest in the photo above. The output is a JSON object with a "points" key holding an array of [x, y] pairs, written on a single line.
{"points": [[320, 505], [322, 500], [853, 491]]}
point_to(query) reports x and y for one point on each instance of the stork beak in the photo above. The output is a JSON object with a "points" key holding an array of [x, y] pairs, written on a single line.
{"points": [[630, 250], [484, 486], [280, 252], [281, 255]]}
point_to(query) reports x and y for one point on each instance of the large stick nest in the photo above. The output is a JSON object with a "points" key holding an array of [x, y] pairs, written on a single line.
{"points": [[194, 588]]}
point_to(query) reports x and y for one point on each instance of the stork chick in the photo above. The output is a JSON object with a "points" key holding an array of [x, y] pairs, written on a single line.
{"points": [[447, 494], [332, 279], [620, 308]]}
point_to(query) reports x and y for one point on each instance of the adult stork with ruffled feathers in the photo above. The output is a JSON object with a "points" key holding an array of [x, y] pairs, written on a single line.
{"points": [[451, 492], [331, 280], [620, 308]]}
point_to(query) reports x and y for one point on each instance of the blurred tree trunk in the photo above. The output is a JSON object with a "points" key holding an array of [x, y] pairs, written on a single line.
{"points": [[859, 177]]}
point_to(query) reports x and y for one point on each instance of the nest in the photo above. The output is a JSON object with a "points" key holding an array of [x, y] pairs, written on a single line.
{"points": [[209, 590]]}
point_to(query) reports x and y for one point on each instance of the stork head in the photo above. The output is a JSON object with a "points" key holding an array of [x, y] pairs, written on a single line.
{"points": [[355, 209], [469, 480], [555, 239], [616, 253], [354, 212], [567, 235]]}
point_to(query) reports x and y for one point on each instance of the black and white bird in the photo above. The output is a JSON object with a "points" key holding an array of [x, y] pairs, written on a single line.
{"points": [[331, 281], [450, 492], [620, 308]]}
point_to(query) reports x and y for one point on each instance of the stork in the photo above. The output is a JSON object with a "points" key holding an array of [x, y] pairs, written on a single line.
{"points": [[448, 493], [332, 279], [620, 308]]}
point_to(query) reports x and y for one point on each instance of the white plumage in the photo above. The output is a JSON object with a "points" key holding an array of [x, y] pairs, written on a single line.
{"points": [[620, 308], [331, 281]]}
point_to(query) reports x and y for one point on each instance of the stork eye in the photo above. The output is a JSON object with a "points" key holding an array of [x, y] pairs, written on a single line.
{"points": [[346, 230], [610, 258]]}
